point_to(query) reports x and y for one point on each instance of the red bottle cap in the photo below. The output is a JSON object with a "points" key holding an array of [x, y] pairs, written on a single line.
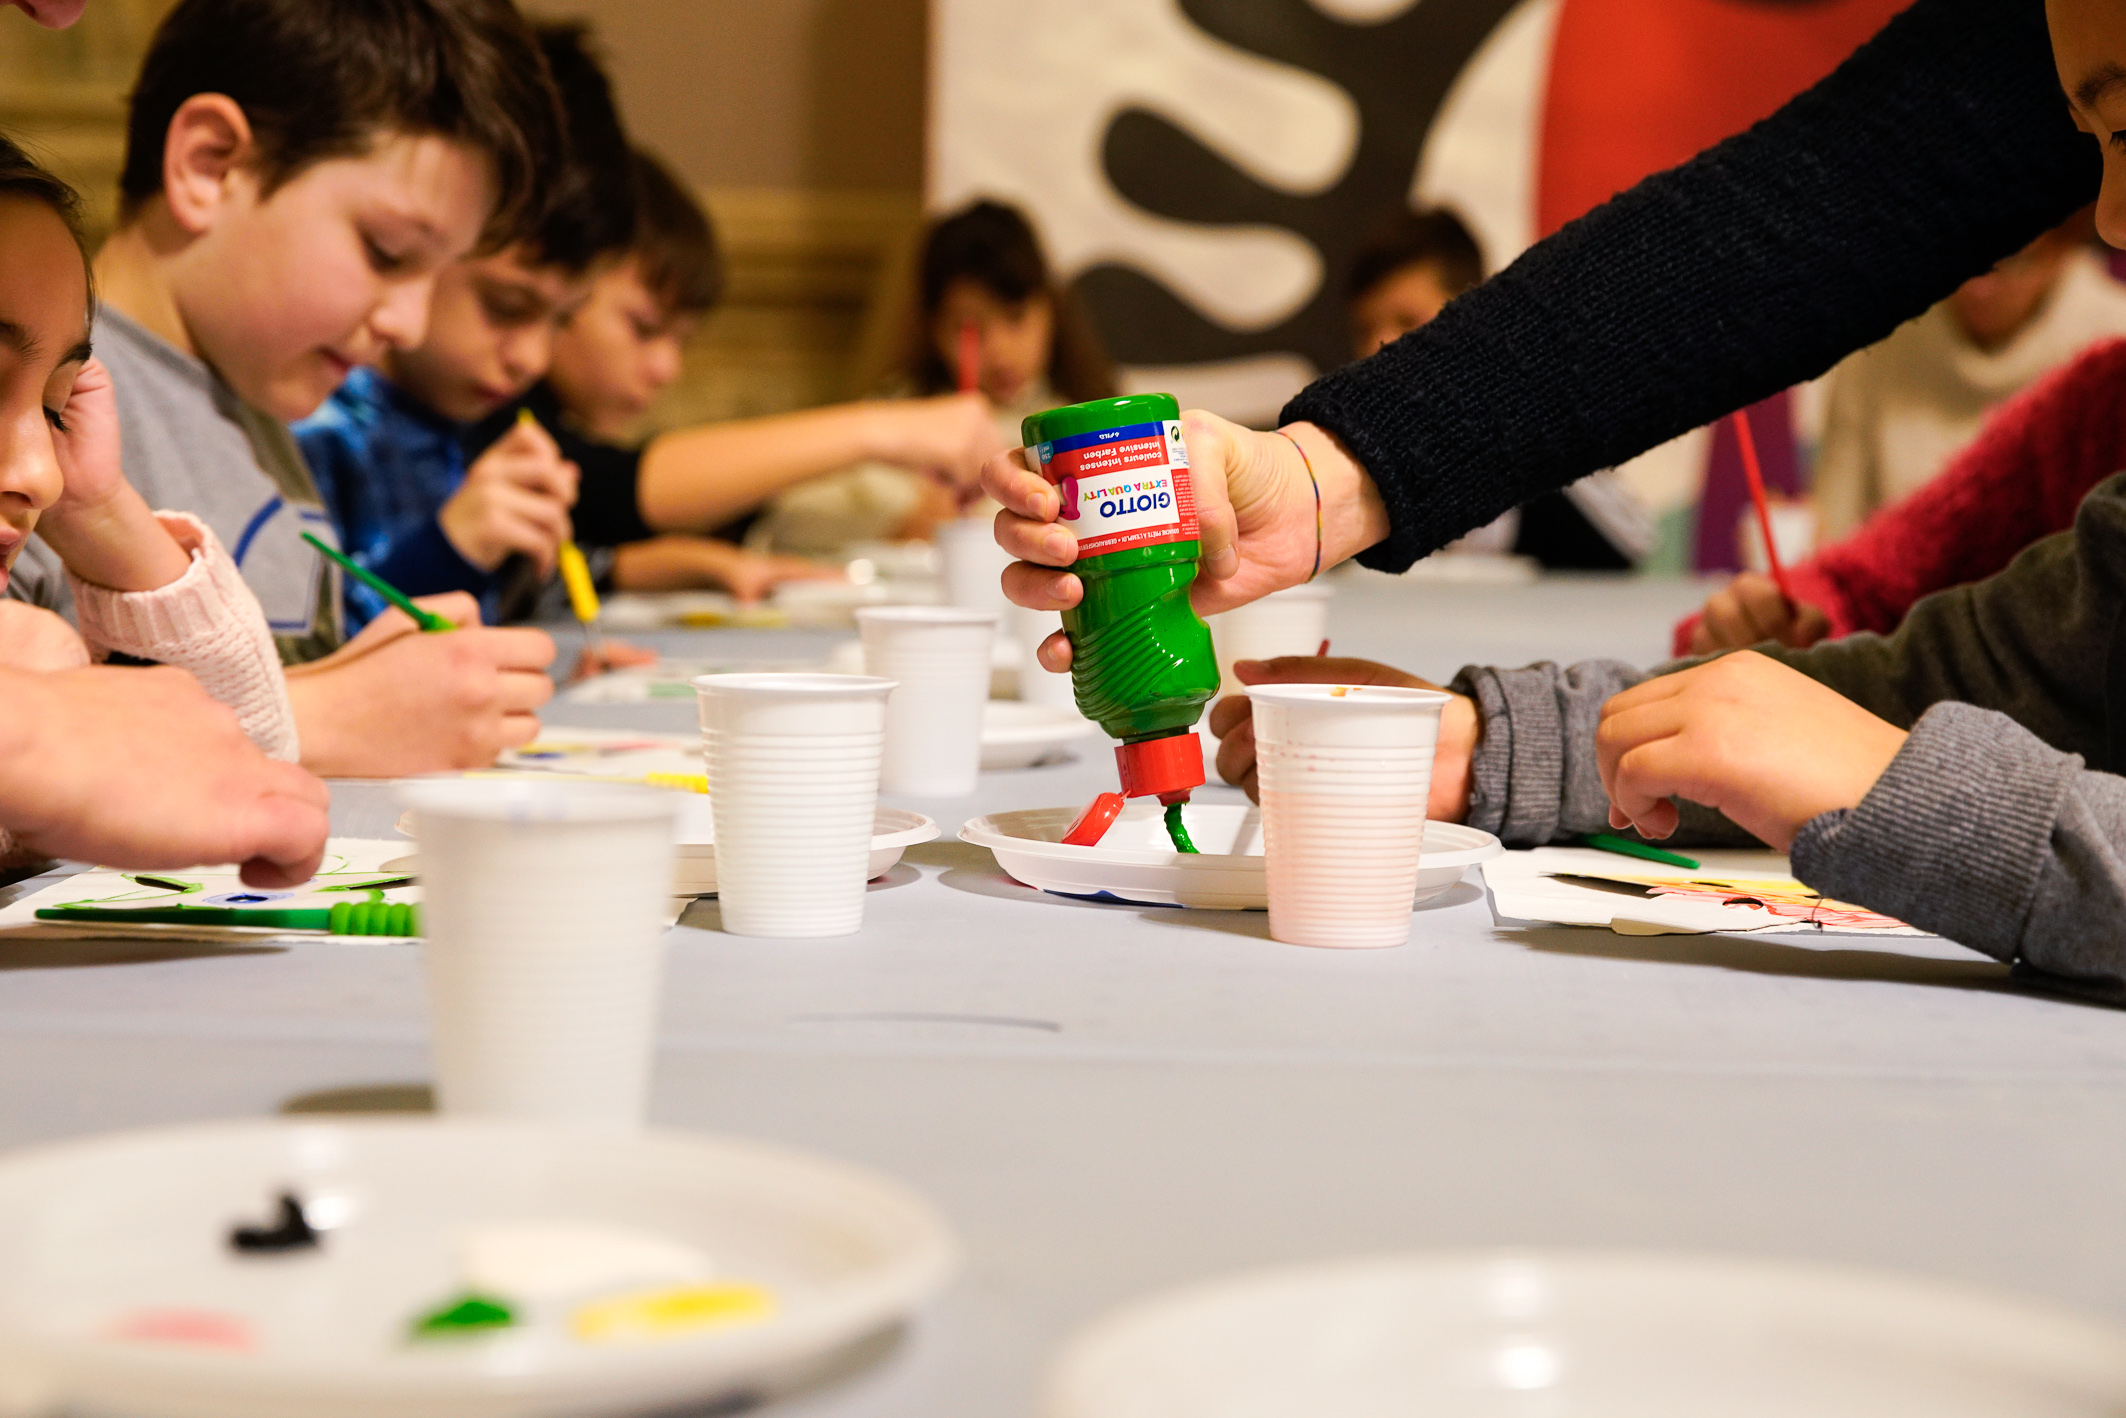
{"points": [[1162, 768]]}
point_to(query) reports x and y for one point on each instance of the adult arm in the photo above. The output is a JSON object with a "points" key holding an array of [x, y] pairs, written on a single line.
{"points": [[1938, 148]]}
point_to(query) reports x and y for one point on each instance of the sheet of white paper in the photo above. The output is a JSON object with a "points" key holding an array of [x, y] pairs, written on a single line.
{"points": [[1526, 886], [348, 860]]}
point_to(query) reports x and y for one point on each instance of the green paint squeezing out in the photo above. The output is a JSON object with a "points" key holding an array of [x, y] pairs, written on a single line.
{"points": [[1177, 831]]}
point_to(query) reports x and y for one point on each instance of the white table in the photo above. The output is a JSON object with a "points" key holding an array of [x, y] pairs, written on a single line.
{"points": [[1106, 1099]]}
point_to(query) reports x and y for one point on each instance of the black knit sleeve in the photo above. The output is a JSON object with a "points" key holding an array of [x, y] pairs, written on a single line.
{"points": [[1941, 146]]}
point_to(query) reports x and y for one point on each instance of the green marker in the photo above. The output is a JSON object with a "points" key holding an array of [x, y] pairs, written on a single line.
{"points": [[427, 620], [384, 918], [1625, 847]]}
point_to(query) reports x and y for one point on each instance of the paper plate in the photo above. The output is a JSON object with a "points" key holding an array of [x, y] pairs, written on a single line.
{"points": [[1593, 1335], [127, 1235], [894, 831], [1136, 861]]}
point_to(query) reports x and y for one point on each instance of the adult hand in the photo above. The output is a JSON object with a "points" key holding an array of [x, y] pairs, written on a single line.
{"points": [[394, 701], [33, 638], [1255, 511], [1763, 743], [1750, 610], [1233, 720], [138, 768], [515, 498], [949, 437]]}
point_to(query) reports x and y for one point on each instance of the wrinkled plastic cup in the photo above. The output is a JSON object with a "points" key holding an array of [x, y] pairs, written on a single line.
{"points": [[973, 564], [1343, 773], [793, 764], [545, 908], [938, 658], [1293, 621], [1036, 685]]}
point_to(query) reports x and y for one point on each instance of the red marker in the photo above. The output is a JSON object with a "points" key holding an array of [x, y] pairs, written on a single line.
{"points": [[970, 358], [1748, 444]]}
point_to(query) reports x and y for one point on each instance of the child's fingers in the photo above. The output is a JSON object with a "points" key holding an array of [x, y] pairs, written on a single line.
{"points": [[1625, 729], [1236, 742], [1007, 478], [1324, 669], [517, 730], [1040, 588], [1229, 711], [1218, 527], [457, 607]]}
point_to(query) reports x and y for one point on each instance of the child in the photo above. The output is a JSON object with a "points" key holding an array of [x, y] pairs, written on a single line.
{"points": [[490, 338], [296, 173], [2020, 480], [1402, 275], [981, 267], [147, 587], [612, 356]]}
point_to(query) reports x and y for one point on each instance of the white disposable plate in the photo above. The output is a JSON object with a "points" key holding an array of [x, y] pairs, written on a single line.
{"points": [[94, 1231], [894, 830], [1016, 735], [1136, 861], [1592, 1335]]}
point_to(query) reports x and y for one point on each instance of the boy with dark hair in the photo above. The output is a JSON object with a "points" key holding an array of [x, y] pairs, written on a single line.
{"points": [[385, 448], [611, 358], [297, 173]]}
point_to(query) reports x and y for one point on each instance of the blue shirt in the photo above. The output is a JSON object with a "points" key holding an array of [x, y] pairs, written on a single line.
{"points": [[385, 466]]}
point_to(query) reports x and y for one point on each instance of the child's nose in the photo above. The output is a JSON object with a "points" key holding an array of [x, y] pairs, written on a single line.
{"points": [[29, 464]]}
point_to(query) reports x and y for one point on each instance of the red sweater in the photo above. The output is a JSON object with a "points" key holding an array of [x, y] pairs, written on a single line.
{"points": [[2020, 480]]}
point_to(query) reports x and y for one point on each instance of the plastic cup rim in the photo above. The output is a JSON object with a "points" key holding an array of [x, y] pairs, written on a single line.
{"points": [[926, 616], [536, 800], [766, 684], [1355, 696]]}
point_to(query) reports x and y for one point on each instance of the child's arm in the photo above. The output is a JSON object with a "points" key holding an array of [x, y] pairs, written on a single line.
{"points": [[699, 478], [678, 563]]}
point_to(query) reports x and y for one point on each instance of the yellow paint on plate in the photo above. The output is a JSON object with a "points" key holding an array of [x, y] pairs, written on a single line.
{"points": [[672, 1313]]}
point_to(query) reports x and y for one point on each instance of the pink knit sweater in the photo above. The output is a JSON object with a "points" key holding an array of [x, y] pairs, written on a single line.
{"points": [[206, 622]]}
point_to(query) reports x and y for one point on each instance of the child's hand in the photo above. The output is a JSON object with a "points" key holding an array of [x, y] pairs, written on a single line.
{"points": [[618, 655], [515, 498], [101, 528], [1254, 504], [949, 437], [750, 576], [139, 768], [32, 638], [1233, 720], [1763, 743], [1749, 610], [393, 701]]}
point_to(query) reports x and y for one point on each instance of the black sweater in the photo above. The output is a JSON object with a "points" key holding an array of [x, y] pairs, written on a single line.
{"points": [[1940, 147]]}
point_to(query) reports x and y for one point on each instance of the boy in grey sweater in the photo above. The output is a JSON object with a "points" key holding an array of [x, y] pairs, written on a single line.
{"points": [[1960, 774]]}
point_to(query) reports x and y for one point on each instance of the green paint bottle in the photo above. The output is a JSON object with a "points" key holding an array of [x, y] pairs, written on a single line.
{"points": [[1142, 664]]}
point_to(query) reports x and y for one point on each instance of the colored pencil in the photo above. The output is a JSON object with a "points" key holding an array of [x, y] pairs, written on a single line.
{"points": [[1747, 442], [427, 620], [1625, 847]]}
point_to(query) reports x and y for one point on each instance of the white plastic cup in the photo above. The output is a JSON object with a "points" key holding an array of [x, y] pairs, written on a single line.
{"points": [[1343, 773], [793, 763], [545, 907], [1036, 685], [1293, 621], [973, 564], [938, 658]]}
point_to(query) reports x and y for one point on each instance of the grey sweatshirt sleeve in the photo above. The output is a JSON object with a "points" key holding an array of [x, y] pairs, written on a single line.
{"points": [[1982, 832], [1534, 777]]}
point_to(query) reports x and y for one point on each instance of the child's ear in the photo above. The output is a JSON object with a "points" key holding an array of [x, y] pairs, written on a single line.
{"points": [[208, 140]]}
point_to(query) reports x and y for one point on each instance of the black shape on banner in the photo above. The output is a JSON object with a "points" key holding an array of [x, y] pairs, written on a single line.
{"points": [[1397, 73]]}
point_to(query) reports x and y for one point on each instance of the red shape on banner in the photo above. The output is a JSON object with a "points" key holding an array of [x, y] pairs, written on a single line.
{"points": [[1640, 85]]}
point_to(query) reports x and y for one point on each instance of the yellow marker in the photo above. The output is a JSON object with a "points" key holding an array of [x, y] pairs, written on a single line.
{"points": [[575, 574], [669, 1314]]}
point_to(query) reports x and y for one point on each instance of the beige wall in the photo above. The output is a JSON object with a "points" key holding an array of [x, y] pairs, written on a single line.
{"points": [[771, 93]]}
